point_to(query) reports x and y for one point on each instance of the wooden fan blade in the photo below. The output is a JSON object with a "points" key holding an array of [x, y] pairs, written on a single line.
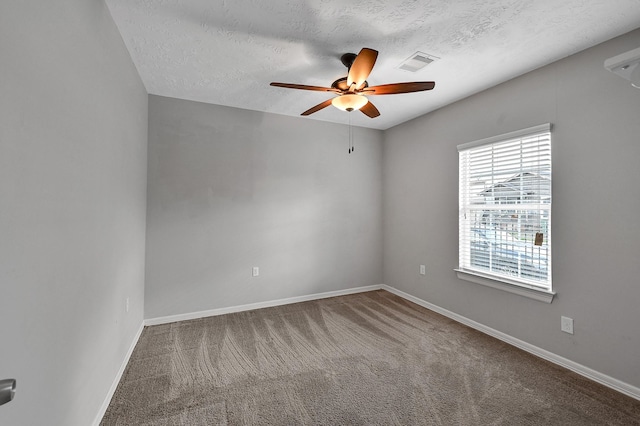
{"points": [[361, 67], [370, 110], [305, 87], [394, 88], [317, 107]]}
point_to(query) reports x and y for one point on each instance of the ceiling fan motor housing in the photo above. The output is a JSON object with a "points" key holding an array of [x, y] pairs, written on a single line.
{"points": [[341, 84]]}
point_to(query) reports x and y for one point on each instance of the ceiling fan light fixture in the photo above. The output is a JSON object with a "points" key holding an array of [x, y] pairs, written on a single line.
{"points": [[352, 88], [349, 102]]}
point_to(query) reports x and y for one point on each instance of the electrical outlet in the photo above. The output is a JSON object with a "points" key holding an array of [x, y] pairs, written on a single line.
{"points": [[566, 324], [126, 304], [423, 270], [255, 271]]}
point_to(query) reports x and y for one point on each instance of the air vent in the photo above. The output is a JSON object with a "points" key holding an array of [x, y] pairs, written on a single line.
{"points": [[417, 61]]}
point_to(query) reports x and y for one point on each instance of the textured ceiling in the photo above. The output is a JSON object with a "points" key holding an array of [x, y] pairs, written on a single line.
{"points": [[227, 52]]}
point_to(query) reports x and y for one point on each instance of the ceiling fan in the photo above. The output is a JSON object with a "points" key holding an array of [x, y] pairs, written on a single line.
{"points": [[353, 89]]}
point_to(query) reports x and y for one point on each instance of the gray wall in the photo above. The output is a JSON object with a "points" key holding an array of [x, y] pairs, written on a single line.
{"points": [[596, 203], [230, 189], [73, 131]]}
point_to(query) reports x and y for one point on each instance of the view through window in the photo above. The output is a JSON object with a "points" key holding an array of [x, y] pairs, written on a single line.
{"points": [[505, 207]]}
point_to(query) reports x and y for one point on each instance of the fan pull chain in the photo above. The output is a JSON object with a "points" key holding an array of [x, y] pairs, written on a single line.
{"points": [[349, 138], [351, 147]]}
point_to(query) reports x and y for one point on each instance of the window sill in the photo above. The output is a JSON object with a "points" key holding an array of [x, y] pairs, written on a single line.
{"points": [[506, 285]]}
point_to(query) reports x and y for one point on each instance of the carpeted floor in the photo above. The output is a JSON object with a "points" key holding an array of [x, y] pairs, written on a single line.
{"points": [[366, 359]]}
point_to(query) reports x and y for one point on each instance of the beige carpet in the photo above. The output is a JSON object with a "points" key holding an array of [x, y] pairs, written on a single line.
{"points": [[365, 359]]}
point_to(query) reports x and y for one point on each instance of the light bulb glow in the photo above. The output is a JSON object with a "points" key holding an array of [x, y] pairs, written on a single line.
{"points": [[349, 102]]}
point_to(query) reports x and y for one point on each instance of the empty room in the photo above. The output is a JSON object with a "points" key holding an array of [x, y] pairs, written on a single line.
{"points": [[319, 212]]}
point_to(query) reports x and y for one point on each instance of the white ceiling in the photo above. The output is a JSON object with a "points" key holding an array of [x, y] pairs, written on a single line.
{"points": [[226, 52]]}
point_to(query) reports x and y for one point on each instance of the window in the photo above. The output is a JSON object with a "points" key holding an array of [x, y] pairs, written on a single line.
{"points": [[505, 208]]}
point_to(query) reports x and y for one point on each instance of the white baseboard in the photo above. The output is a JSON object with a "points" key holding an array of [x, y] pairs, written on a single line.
{"points": [[114, 385], [259, 305], [587, 372]]}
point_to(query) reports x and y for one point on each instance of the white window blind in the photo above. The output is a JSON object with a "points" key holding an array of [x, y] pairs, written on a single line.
{"points": [[505, 203]]}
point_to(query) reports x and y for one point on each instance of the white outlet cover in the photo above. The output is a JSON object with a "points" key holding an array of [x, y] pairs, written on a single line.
{"points": [[566, 324], [255, 271], [423, 270]]}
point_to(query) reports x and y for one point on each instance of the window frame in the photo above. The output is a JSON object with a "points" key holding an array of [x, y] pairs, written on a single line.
{"points": [[520, 286]]}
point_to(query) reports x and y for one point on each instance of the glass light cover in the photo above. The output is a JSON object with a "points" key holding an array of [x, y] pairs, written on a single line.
{"points": [[349, 102]]}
